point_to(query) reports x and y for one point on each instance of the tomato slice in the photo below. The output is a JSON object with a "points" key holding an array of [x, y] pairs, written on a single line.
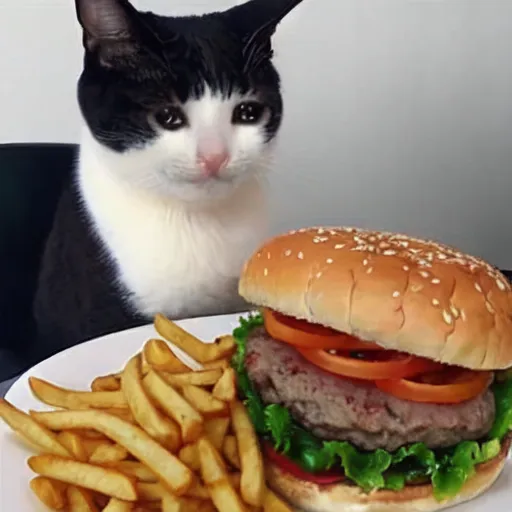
{"points": [[448, 386], [306, 335], [288, 466], [386, 364]]}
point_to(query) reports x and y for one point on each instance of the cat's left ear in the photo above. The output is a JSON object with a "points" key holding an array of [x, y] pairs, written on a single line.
{"points": [[256, 21], [113, 29]]}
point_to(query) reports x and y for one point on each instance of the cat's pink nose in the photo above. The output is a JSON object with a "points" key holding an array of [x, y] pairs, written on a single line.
{"points": [[212, 163]]}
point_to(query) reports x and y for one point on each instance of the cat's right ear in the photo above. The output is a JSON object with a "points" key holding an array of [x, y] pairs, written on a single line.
{"points": [[105, 22]]}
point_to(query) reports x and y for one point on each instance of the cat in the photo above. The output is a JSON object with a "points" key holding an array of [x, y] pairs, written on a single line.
{"points": [[168, 198]]}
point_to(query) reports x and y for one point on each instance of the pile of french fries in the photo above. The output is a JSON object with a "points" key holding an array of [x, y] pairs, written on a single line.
{"points": [[157, 435]]}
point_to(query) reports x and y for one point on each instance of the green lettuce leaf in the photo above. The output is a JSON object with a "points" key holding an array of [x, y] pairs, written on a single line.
{"points": [[365, 469], [278, 422], [446, 469], [503, 398]]}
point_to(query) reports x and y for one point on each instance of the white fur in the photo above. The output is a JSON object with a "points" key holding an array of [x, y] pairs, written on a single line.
{"points": [[179, 240]]}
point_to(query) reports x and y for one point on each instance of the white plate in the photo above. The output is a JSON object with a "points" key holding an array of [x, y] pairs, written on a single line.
{"points": [[78, 366], [75, 368]]}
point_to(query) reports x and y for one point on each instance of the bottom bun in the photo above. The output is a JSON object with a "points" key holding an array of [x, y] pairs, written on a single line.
{"points": [[310, 497]]}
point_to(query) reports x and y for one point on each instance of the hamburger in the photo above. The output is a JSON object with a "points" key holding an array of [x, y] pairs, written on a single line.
{"points": [[375, 370]]}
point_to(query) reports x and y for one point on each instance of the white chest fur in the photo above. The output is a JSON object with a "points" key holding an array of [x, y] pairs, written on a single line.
{"points": [[177, 258]]}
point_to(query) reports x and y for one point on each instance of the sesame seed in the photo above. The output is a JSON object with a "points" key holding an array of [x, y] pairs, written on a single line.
{"points": [[265, 271], [404, 243], [268, 255], [478, 288], [396, 294], [447, 317], [384, 245], [435, 302], [332, 352], [435, 280], [322, 238], [371, 248], [389, 252], [316, 241], [339, 246], [365, 262], [320, 231], [287, 252], [489, 307], [416, 288], [370, 270], [372, 239], [455, 311], [300, 255], [329, 260], [441, 256], [319, 274], [424, 273], [406, 268], [463, 315], [501, 285]]}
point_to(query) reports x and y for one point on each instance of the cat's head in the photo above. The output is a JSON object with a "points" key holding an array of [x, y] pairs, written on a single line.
{"points": [[184, 106]]}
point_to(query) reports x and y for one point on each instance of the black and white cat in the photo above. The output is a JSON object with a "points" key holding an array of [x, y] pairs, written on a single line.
{"points": [[181, 116]]}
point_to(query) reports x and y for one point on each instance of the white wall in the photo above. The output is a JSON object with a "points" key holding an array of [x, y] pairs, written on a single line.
{"points": [[398, 112]]}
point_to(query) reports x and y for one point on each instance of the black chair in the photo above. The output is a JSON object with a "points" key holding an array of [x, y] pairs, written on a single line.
{"points": [[31, 180]]}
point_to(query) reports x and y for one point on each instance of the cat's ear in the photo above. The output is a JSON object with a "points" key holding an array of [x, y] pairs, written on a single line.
{"points": [[105, 21], [113, 30], [256, 21]]}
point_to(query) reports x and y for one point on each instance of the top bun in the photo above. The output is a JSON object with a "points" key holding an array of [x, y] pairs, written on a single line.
{"points": [[404, 293]]}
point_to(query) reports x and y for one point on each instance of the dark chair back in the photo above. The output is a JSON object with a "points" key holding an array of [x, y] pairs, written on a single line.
{"points": [[31, 180]]}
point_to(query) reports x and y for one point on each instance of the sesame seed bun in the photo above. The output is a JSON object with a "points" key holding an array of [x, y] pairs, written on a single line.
{"points": [[403, 293], [309, 497]]}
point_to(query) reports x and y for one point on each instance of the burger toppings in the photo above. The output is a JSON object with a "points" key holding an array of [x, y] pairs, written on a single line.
{"points": [[378, 432], [403, 375]]}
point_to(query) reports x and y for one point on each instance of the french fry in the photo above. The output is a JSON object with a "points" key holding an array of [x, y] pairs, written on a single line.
{"points": [[188, 418], [106, 383], [190, 456], [230, 451], [162, 429], [215, 430], [198, 378], [201, 352], [104, 480], [91, 445], [225, 498], [150, 491], [80, 500], [225, 388], [163, 463], [134, 469], [204, 402], [159, 355], [74, 444], [272, 503], [215, 476], [30, 429], [199, 491], [105, 454], [253, 486], [69, 399], [213, 468], [171, 503], [50, 492], [115, 505], [121, 412], [220, 364]]}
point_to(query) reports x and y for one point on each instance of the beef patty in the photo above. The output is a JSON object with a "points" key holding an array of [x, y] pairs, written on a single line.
{"points": [[334, 408]]}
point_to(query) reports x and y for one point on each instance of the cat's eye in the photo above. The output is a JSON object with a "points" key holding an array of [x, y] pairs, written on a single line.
{"points": [[248, 112], [171, 118]]}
